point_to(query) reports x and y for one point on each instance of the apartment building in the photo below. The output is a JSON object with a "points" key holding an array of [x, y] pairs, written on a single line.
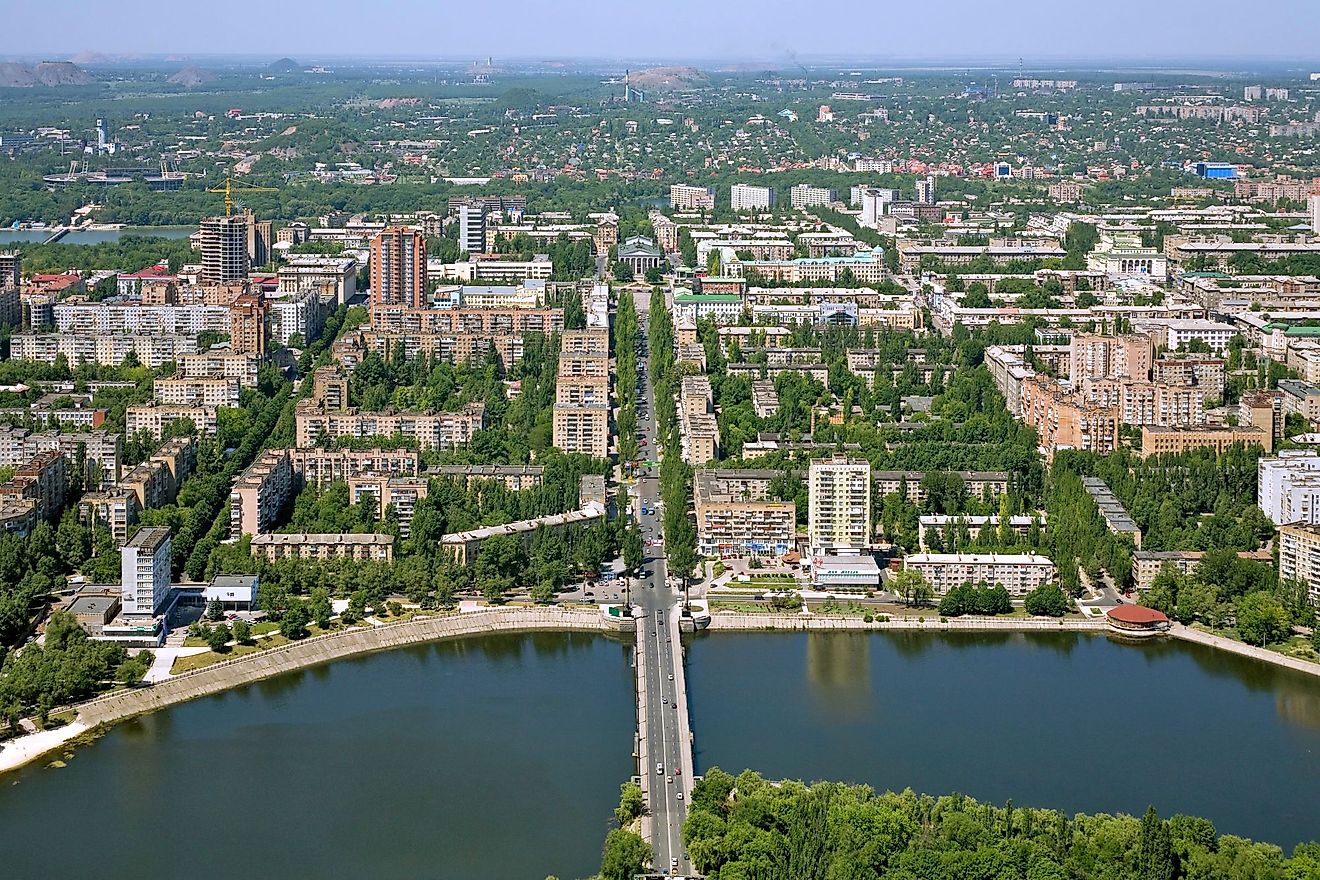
{"points": [[322, 547], [583, 429], [720, 307], [736, 516], [1301, 398], [145, 572], [112, 318], [109, 350], [196, 392], [101, 450], [1019, 573], [1066, 421], [514, 477], [260, 493], [399, 494], [866, 266], [1147, 564], [985, 485], [156, 481], [745, 197], [1206, 373], [1299, 556], [398, 267], [323, 274], [1157, 440], [41, 482], [685, 197], [1288, 487], [1212, 333], [249, 326], [219, 364], [1264, 410], [1110, 357], [765, 399], [116, 509], [317, 467], [972, 526], [296, 316], [804, 195], [154, 418], [839, 505], [581, 417], [429, 430], [464, 547]]}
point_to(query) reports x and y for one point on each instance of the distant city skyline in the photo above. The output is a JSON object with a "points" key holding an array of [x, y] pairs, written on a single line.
{"points": [[772, 32]]}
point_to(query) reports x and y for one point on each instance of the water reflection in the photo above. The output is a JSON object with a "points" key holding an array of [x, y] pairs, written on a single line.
{"points": [[839, 668]]}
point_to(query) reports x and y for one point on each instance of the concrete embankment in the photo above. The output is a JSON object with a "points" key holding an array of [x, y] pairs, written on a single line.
{"points": [[819, 622], [322, 649], [1188, 634]]}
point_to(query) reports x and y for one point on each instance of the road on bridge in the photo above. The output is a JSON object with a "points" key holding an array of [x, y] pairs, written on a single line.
{"points": [[658, 637]]}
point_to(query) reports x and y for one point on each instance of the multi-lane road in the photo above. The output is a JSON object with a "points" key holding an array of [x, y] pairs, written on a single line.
{"points": [[668, 748]]}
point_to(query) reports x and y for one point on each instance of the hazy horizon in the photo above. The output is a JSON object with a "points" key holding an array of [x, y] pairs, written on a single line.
{"points": [[775, 33]]}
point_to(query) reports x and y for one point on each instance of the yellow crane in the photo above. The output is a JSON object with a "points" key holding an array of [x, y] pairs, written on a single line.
{"points": [[230, 188]]}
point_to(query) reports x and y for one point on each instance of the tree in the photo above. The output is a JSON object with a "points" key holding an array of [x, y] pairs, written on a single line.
{"points": [[293, 623], [218, 637], [215, 610], [1048, 600], [622, 272], [543, 593], [1262, 619], [319, 608], [625, 855], [912, 586], [242, 631], [630, 803], [633, 549], [1154, 848]]}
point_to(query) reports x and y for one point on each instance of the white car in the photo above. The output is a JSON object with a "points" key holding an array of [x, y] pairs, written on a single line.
{"points": [[659, 769]]}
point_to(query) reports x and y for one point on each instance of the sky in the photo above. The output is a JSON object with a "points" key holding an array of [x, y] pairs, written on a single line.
{"points": [[777, 31]]}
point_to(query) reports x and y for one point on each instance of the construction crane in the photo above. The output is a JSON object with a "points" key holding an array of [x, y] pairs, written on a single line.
{"points": [[230, 188]]}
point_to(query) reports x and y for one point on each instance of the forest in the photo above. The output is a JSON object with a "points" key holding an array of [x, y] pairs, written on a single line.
{"points": [[749, 828]]}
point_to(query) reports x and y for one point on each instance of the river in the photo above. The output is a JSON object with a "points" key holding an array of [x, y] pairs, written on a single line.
{"points": [[501, 757], [498, 757], [1075, 722]]}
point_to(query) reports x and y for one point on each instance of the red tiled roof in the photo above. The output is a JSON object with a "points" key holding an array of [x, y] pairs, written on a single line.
{"points": [[1137, 614]]}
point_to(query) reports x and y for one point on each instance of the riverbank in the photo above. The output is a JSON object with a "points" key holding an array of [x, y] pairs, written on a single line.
{"points": [[119, 705], [933, 623], [1201, 637]]}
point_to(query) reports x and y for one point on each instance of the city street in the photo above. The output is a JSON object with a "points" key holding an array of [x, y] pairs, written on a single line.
{"points": [[658, 637]]}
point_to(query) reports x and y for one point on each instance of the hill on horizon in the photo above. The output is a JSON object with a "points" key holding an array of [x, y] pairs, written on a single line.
{"points": [[46, 73]]}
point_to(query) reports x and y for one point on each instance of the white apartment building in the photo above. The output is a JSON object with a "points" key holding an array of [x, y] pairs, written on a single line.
{"points": [[685, 197], [135, 318], [144, 568], [839, 505], [1212, 333], [219, 364], [298, 313], [107, 349], [1288, 487], [745, 197], [154, 417], [805, 195], [203, 392], [1019, 573]]}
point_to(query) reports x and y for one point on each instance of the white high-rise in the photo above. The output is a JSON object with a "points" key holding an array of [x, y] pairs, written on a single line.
{"points": [[1288, 487], [745, 197], [839, 505], [472, 229], [1313, 206], [144, 569], [926, 191]]}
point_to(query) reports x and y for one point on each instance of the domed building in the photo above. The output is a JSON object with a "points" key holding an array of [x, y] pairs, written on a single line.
{"points": [[1137, 621]]}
